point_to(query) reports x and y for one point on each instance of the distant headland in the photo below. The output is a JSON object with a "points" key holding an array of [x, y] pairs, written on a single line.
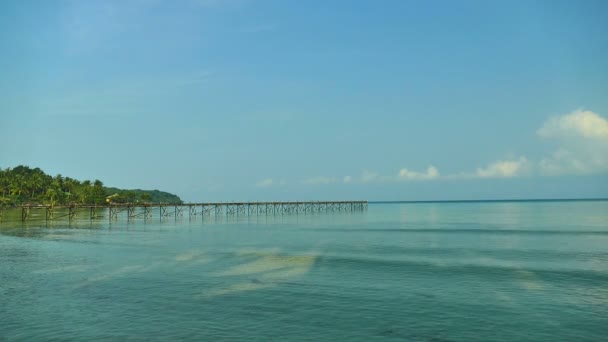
{"points": [[25, 185]]}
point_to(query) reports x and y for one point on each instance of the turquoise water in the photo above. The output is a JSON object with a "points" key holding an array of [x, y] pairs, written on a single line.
{"points": [[508, 271]]}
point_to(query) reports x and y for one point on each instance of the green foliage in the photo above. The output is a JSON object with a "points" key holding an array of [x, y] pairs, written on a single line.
{"points": [[25, 185], [137, 195]]}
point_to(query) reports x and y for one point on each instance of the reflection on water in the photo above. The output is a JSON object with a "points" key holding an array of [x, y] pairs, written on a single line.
{"points": [[265, 270], [415, 272]]}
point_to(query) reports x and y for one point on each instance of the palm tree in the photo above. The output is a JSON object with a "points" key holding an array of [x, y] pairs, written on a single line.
{"points": [[35, 184], [51, 196], [4, 183], [57, 188], [15, 185], [59, 179], [85, 194], [68, 187], [68, 184], [98, 191]]}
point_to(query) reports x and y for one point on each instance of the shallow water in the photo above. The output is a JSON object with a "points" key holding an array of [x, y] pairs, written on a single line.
{"points": [[507, 271]]}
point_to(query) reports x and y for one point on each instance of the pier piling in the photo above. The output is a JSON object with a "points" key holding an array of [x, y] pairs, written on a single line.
{"points": [[217, 209]]}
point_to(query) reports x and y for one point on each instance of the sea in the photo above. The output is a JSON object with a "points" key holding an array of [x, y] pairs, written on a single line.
{"points": [[439, 271]]}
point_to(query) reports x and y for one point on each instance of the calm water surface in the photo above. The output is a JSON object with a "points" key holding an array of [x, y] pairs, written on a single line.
{"points": [[511, 271]]}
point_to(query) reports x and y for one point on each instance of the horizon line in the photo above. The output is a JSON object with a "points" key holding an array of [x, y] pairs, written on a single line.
{"points": [[598, 199]]}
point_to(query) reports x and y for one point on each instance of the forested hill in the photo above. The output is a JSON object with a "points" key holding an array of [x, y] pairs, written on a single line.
{"points": [[25, 185], [155, 196]]}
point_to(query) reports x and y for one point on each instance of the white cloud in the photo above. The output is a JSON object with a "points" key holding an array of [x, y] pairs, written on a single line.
{"points": [[582, 148], [264, 183], [503, 169], [564, 161], [320, 180], [578, 124], [430, 173], [581, 138]]}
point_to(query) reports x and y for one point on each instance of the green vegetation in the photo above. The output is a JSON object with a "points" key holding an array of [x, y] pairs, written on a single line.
{"points": [[25, 185], [137, 195]]}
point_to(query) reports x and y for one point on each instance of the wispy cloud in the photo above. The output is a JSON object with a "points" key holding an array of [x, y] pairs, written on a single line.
{"points": [[264, 183], [499, 169], [368, 176], [92, 25], [268, 182], [430, 173], [582, 148], [502, 169]]}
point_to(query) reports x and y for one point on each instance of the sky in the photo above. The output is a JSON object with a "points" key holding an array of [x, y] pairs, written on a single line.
{"points": [[220, 100]]}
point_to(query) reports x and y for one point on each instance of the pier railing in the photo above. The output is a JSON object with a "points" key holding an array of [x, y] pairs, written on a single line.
{"points": [[217, 209]]}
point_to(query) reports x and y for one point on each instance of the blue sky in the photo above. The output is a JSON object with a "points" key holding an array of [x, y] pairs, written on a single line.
{"points": [[260, 100]]}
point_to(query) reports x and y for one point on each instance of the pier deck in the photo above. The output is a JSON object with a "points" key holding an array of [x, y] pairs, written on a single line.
{"points": [[147, 210]]}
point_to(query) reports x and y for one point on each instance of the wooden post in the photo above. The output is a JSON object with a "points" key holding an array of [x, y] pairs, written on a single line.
{"points": [[25, 211], [49, 213]]}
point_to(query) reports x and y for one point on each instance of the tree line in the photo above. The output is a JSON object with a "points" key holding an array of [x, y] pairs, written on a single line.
{"points": [[24, 185]]}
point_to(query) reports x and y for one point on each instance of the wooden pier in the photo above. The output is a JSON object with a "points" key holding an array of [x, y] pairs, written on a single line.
{"points": [[216, 209]]}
